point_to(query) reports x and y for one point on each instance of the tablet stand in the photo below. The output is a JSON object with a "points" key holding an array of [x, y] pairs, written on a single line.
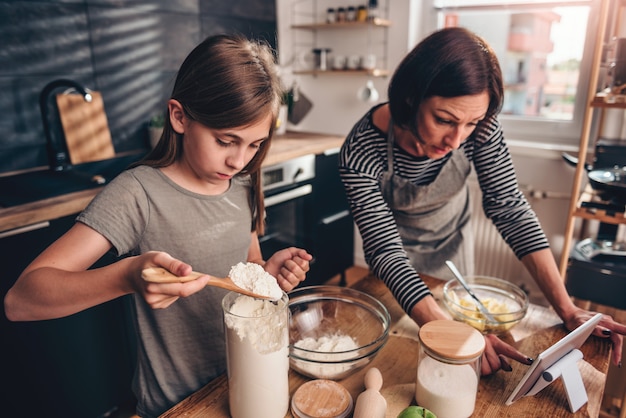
{"points": [[566, 368]]}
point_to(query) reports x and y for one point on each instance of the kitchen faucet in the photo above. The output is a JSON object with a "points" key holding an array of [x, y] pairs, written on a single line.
{"points": [[57, 150]]}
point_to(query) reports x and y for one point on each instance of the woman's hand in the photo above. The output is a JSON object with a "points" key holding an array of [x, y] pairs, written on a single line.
{"points": [[496, 350], [289, 266], [606, 328], [496, 353], [162, 295]]}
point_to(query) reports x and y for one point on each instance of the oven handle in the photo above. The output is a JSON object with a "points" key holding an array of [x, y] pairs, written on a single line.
{"points": [[288, 195]]}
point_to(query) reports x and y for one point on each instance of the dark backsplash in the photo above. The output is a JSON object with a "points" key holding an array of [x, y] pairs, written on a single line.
{"points": [[127, 50]]}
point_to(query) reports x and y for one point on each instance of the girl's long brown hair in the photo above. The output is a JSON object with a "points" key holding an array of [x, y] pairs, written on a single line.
{"points": [[227, 81]]}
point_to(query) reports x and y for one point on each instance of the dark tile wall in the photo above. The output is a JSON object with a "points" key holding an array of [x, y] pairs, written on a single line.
{"points": [[129, 50]]}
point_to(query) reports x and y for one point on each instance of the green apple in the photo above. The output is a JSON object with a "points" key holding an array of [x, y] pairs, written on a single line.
{"points": [[416, 412]]}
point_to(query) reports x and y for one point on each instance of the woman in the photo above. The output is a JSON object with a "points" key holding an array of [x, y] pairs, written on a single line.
{"points": [[196, 201], [405, 167]]}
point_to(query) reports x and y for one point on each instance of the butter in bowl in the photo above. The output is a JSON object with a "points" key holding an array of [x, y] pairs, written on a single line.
{"points": [[506, 302]]}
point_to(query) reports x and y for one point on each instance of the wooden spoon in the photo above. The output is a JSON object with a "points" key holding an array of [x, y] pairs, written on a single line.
{"points": [[161, 275]]}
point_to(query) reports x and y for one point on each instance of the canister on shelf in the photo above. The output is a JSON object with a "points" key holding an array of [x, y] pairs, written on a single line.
{"points": [[372, 9], [448, 368], [331, 16], [350, 14], [321, 58], [341, 14], [361, 13]]}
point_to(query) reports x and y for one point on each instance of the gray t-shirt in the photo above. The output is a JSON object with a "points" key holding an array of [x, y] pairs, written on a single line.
{"points": [[180, 348]]}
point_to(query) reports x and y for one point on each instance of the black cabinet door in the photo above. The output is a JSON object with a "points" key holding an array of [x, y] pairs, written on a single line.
{"points": [[330, 222], [78, 366]]}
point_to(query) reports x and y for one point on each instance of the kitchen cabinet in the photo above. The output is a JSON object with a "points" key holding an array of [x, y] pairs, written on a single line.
{"points": [[77, 366], [331, 226], [352, 40], [582, 203]]}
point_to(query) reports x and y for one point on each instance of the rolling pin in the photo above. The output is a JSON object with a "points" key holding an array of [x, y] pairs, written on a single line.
{"points": [[370, 403]]}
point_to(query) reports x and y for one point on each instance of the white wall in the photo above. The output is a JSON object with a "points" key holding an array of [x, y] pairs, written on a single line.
{"points": [[334, 96]]}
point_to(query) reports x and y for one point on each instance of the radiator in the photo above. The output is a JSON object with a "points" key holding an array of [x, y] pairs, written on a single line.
{"points": [[493, 257]]}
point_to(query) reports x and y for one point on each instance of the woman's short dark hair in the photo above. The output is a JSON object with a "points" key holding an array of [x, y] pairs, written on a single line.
{"points": [[450, 62]]}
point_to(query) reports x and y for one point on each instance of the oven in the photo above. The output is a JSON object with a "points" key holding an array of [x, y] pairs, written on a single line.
{"points": [[306, 207], [288, 188]]}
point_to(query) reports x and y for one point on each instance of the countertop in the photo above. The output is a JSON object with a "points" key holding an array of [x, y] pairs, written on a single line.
{"points": [[397, 362], [284, 147]]}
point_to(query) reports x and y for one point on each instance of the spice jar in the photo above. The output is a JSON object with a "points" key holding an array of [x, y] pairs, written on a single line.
{"points": [[372, 9], [361, 14], [350, 14], [330, 15], [257, 347], [341, 14], [448, 368]]}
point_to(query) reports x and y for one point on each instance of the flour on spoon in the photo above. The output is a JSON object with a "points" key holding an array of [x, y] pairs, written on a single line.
{"points": [[252, 277]]}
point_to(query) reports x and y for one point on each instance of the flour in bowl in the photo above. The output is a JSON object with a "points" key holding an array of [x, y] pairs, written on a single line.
{"points": [[329, 348], [328, 343], [252, 277]]}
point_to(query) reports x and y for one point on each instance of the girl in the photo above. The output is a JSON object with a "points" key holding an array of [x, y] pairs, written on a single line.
{"points": [[195, 200]]}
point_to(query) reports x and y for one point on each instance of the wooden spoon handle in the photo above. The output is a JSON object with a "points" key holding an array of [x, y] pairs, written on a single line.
{"points": [[161, 275]]}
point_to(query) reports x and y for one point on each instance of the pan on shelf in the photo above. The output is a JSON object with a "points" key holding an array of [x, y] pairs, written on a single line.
{"points": [[609, 182]]}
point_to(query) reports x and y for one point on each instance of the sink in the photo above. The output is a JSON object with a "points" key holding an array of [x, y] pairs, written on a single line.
{"points": [[37, 185]]}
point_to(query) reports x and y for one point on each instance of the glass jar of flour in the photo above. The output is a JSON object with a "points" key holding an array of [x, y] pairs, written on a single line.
{"points": [[257, 344], [448, 368]]}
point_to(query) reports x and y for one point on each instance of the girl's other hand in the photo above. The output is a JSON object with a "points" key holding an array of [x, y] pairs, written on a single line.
{"points": [[289, 266]]}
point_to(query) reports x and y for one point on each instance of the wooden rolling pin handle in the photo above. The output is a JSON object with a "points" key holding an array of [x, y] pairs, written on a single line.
{"points": [[370, 403]]}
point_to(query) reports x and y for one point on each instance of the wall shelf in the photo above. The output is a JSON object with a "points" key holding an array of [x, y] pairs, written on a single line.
{"points": [[377, 22], [373, 73], [606, 100], [583, 201], [356, 40]]}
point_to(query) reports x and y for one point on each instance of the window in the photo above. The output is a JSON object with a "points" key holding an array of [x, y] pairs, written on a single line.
{"points": [[544, 49]]}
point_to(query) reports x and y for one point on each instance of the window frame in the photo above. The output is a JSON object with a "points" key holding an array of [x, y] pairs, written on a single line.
{"points": [[528, 128]]}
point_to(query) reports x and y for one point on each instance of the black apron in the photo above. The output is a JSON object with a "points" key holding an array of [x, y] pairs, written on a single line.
{"points": [[433, 220]]}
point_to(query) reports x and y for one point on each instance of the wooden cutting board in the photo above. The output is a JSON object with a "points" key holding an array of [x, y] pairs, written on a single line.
{"points": [[85, 127]]}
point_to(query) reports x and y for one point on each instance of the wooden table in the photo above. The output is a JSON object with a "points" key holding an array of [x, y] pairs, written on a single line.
{"points": [[397, 362]]}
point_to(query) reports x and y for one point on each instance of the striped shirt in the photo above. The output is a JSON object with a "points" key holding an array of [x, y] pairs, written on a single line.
{"points": [[362, 162]]}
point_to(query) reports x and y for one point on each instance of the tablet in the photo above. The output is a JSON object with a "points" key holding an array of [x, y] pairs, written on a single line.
{"points": [[551, 355]]}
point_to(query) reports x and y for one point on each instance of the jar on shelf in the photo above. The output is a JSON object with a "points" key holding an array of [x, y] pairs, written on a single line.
{"points": [[341, 14], [361, 13], [321, 58], [448, 369], [372, 9], [331, 16], [351, 14]]}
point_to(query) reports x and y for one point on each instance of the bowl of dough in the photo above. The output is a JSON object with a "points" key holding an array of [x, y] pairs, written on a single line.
{"points": [[506, 302], [334, 331]]}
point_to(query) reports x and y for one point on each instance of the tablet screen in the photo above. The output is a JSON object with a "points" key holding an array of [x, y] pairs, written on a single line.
{"points": [[551, 355]]}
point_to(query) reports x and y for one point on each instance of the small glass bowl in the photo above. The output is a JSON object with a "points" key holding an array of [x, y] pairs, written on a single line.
{"points": [[506, 302], [327, 312]]}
